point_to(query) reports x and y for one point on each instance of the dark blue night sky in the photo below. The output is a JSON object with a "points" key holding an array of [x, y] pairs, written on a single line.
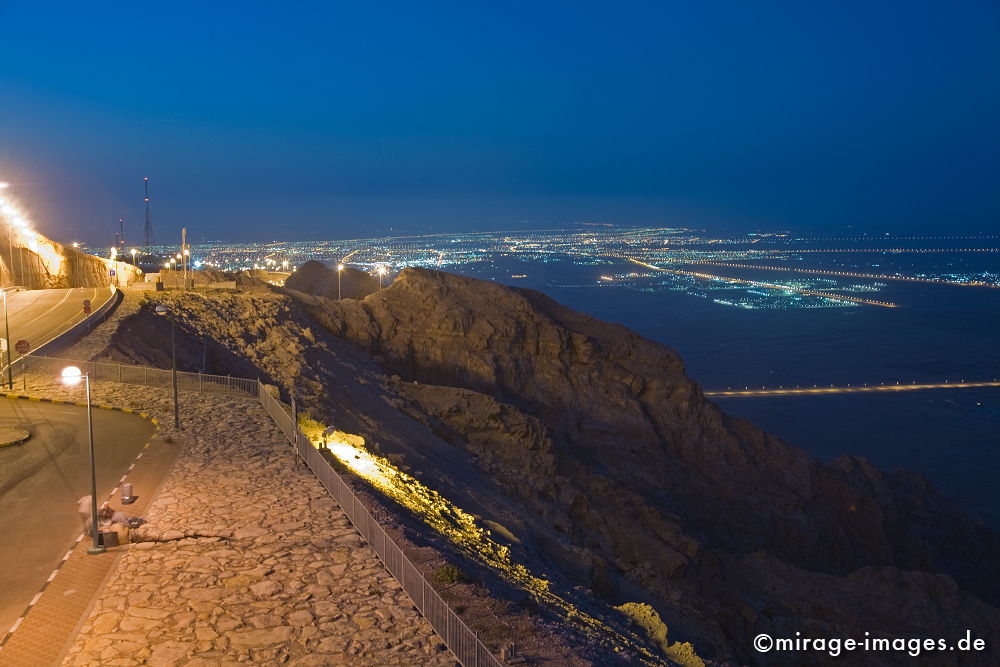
{"points": [[301, 121]]}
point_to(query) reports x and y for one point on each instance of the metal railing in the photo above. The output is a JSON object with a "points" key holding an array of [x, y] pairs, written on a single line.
{"points": [[462, 641], [142, 375]]}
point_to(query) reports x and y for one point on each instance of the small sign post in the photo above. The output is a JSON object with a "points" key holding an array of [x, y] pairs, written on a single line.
{"points": [[23, 347]]}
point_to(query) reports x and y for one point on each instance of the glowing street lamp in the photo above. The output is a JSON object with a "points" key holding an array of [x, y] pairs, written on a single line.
{"points": [[381, 272], [340, 270], [71, 377], [134, 253], [162, 310]]}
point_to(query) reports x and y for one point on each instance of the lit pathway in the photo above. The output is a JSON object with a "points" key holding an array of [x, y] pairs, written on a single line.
{"points": [[856, 389]]}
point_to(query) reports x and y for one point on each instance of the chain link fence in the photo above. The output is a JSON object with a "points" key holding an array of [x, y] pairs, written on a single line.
{"points": [[142, 375]]}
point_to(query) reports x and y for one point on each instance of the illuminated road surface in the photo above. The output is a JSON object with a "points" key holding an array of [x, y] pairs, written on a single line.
{"points": [[41, 481], [754, 283], [848, 274], [38, 316], [857, 389]]}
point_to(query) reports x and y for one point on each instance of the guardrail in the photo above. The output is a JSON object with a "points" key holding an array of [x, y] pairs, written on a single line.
{"points": [[77, 326], [457, 636], [142, 375]]}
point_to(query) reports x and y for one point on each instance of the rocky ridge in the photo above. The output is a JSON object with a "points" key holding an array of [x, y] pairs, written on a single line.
{"points": [[605, 461]]}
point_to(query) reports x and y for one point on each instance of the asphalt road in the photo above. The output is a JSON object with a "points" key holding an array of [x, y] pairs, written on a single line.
{"points": [[41, 481], [38, 315]]}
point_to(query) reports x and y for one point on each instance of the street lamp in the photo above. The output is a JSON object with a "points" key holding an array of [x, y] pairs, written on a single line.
{"points": [[71, 376], [134, 253], [6, 324], [340, 270], [173, 267], [162, 310], [381, 272]]}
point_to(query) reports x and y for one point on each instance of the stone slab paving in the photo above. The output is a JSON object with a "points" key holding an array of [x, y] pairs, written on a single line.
{"points": [[43, 635], [246, 559]]}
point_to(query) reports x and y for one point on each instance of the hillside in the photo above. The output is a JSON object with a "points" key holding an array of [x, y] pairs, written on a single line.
{"points": [[603, 462]]}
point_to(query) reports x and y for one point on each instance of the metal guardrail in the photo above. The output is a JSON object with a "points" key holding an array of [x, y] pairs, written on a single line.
{"points": [[462, 641], [142, 375]]}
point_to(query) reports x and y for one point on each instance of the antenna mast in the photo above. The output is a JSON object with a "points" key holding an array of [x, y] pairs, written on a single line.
{"points": [[148, 239]]}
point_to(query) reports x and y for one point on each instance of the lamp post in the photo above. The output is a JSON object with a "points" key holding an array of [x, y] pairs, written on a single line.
{"points": [[162, 310], [173, 267], [134, 252], [10, 252], [381, 272], [71, 376], [6, 324], [340, 270]]}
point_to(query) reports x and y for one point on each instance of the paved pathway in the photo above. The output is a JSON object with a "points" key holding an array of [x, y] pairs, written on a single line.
{"points": [[51, 622], [246, 559]]}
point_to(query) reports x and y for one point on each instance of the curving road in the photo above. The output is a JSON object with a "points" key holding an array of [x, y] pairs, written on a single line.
{"points": [[41, 481], [38, 316]]}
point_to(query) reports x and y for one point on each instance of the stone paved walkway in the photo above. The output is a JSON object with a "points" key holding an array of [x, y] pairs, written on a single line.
{"points": [[246, 559], [43, 636]]}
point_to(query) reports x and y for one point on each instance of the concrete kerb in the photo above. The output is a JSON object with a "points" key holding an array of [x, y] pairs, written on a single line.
{"points": [[42, 399], [69, 552], [12, 436]]}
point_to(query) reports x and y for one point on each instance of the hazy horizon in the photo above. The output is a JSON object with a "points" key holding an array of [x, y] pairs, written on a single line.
{"points": [[350, 121]]}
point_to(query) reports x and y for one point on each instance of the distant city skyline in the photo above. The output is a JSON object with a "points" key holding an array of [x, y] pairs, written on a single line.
{"points": [[346, 121]]}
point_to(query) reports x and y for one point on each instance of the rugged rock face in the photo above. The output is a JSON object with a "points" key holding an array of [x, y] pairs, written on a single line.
{"points": [[605, 463], [316, 278], [48, 265], [646, 487]]}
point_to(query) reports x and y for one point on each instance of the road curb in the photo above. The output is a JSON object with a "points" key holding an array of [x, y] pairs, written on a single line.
{"points": [[40, 399], [13, 436], [156, 428]]}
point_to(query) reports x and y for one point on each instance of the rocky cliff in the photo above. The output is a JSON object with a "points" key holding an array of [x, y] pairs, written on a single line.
{"points": [[316, 278], [641, 484], [605, 464], [45, 264]]}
